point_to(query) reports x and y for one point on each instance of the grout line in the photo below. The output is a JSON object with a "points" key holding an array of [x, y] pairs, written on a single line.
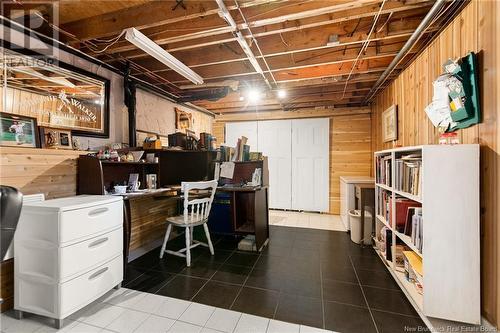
{"points": [[244, 282], [364, 296], [322, 299], [277, 305], [210, 279]]}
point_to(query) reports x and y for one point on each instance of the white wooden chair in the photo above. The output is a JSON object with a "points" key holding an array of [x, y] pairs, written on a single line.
{"points": [[196, 213]]}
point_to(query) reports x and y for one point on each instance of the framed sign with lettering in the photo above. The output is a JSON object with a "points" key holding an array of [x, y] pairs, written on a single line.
{"points": [[58, 95]]}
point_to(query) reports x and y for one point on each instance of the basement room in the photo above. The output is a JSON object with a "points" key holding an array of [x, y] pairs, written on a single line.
{"points": [[249, 166]]}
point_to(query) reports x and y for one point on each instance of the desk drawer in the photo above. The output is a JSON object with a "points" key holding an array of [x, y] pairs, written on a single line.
{"points": [[82, 256], [80, 223], [84, 289]]}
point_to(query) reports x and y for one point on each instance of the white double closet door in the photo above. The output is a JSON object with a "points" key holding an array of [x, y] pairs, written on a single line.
{"points": [[298, 155]]}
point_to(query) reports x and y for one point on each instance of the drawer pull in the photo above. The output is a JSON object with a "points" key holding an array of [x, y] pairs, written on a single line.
{"points": [[98, 242], [98, 273], [98, 211]]}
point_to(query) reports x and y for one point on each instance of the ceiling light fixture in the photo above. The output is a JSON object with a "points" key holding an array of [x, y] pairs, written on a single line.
{"points": [[281, 93], [140, 40], [253, 95], [58, 80]]}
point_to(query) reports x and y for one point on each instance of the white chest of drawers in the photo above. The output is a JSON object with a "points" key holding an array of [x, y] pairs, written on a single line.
{"points": [[67, 253]]}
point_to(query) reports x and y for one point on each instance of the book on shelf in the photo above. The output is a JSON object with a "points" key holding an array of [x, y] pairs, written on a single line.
{"points": [[246, 153], [383, 201], [413, 268], [383, 167], [226, 154], [388, 244], [255, 156], [408, 174], [401, 205], [399, 261]]}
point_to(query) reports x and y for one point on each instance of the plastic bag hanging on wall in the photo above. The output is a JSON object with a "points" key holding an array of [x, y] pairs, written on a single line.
{"points": [[455, 103]]}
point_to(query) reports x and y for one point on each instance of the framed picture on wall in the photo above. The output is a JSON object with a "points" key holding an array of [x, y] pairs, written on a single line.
{"points": [[183, 120], [18, 131], [390, 124], [55, 138]]}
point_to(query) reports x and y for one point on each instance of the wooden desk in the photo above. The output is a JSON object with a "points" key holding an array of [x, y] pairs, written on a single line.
{"points": [[144, 217], [249, 212]]}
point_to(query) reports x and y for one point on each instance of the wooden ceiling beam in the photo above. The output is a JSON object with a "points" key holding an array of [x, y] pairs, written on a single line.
{"points": [[211, 25], [326, 70], [153, 14], [181, 43], [261, 107], [332, 97], [235, 97], [298, 114], [298, 59]]}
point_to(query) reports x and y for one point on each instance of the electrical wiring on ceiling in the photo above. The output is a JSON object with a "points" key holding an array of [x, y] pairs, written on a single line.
{"points": [[258, 48], [363, 47]]}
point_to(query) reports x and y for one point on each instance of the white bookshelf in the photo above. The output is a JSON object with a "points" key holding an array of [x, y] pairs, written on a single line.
{"points": [[449, 195]]}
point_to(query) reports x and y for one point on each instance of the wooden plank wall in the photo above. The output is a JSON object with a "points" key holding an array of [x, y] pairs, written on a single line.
{"points": [[476, 29], [350, 142], [350, 152], [49, 171]]}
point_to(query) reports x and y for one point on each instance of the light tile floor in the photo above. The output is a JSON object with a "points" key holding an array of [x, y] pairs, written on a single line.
{"points": [[127, 310], [306, 220]]}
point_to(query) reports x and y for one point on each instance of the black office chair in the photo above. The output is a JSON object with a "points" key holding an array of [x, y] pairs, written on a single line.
{"points": [[11, 201]]}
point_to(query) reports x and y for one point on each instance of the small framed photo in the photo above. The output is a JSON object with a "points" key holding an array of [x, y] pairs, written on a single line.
{"points": [[390, 124], [55, 138], [18, 131]]}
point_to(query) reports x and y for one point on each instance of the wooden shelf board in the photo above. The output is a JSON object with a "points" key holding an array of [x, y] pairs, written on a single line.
{"points": [[408, 196], [246, 228], [408, 288], [383, 186], [407, 240], [125, 163], [388, 263], [384, 221]]}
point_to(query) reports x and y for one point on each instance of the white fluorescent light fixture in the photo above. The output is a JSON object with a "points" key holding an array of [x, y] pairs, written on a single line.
{"points": [[58, 80], [244, 45], [140, 40], [224, 13]]}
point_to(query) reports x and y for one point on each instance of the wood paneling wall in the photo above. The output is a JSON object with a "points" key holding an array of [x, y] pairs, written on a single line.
{"points": [[476, 28], [49, 171], [350, 152], [350, 142]]}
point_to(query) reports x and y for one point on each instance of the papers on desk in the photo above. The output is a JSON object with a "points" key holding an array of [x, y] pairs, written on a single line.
{"points": [[227, 170]]}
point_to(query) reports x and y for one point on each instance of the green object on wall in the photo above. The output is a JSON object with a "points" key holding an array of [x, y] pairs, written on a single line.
{"points": [[469, 76]]}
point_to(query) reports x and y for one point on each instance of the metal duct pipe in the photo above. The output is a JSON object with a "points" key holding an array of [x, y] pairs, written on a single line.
{"points": [[408, 45]]}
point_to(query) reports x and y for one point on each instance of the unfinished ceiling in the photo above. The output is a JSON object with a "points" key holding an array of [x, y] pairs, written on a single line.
{"points": [[315, 50]]}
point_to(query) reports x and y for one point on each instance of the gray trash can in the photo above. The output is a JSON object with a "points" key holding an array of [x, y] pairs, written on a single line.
{"points": [[355, 223]]}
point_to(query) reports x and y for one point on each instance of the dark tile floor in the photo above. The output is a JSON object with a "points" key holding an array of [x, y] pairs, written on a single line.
{"points": [[313, 277]]}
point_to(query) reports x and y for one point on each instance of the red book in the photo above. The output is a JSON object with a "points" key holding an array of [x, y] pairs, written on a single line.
{"points": [[402, 210]]}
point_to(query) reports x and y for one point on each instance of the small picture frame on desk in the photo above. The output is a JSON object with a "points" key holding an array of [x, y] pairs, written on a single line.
{"points": [[55, 138], [18, 131]]}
